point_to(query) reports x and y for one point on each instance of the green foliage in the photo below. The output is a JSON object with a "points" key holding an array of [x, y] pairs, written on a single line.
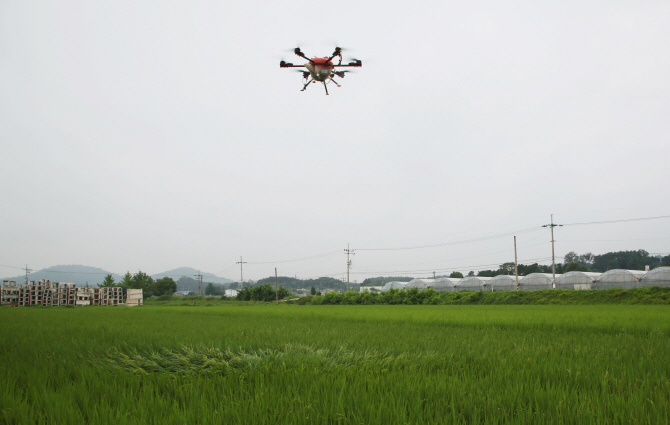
{"points": [[293, 283], [164, 286], [647, 295], [139, 280], [585, 260], [126, 281], [382, 280], [575, 267], [313, 291], [212, 289], [629, 260], [456, 275], [262, 293], [108, 282]]}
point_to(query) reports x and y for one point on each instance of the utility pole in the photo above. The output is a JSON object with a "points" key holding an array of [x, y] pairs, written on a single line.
{"points": [[433, 274], [516, 266], [276, 287], [199, 276], [553, 261], [352, 252], [27, 271], [241, 277]]}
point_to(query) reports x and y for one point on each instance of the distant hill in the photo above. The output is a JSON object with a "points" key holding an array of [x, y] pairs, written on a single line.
{"points": [[190, 272], [81, 275]]}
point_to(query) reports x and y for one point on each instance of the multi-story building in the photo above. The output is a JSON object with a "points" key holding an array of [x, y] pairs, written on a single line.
{"points": [[49, 293], [10, 293]]}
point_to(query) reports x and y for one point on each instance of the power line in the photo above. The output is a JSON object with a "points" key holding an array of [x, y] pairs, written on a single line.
{"points": [[241, 277], [11, 267], [326, 254], [553, 261], [618, 221], [484, 238], [348, 252], [387, 272]]}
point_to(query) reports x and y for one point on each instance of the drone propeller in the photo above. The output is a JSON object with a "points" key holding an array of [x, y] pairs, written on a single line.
{"points": [[305, 74], [299, 52]]}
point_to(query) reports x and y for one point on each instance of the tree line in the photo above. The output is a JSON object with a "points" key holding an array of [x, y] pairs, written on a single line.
{"points": [[265, 292], [628, 260], [141, 280], [294, 283]]}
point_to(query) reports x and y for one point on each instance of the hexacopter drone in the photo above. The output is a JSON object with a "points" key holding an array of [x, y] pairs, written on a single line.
{"points": [[321, 69]]}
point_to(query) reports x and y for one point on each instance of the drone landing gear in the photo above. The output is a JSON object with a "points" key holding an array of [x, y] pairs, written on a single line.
{"points": [[325, 87], [303, 89], [331, 79]]}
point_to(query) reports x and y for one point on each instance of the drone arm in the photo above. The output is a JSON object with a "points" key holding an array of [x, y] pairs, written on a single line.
{"points": [[337, 52], [283, 64], [356, 64], [298, 52]]}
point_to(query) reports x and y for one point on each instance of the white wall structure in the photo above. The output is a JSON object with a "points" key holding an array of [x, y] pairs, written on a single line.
{"points": [[134, 297], [230, 293], [618, 278], [504, 282], [473, 283], [660, 276], [576, 280], [394, 285], [537, 282]]}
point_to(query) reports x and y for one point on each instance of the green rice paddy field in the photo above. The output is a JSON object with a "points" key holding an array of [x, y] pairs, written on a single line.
{"points": [[379, 364]]}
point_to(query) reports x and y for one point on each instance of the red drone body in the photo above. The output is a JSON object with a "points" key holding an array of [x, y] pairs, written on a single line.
{"points": [[321, 69]]}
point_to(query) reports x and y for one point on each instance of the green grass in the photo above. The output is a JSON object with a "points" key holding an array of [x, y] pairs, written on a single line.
{"points": [[378, 364]]}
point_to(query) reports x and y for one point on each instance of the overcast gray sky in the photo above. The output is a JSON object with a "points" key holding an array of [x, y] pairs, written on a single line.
{"points": [[157, 134]]}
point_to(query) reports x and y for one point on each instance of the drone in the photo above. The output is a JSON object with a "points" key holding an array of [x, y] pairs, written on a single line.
{"points": [[321, 69]]}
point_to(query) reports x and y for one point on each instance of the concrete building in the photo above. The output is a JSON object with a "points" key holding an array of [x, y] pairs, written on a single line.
{"points": [[9, 293], [49, 293], [134, 297]]}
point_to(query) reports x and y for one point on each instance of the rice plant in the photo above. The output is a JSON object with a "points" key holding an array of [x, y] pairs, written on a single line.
{"points": [[377, 364]]}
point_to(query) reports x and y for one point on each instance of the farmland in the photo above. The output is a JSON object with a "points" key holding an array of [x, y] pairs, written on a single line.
{"points": [[376, 364]]}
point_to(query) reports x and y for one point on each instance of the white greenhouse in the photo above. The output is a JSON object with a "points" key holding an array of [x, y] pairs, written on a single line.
{"points": [[504, 282], [659, 276], [618, 278], [537, 282], [473, 283], [420, 284], [394, 285], [441, 284], [444, 284], [576, 280]]}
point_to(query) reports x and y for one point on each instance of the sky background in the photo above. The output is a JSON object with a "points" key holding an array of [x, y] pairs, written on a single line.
{"points": [[158, 134]]}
